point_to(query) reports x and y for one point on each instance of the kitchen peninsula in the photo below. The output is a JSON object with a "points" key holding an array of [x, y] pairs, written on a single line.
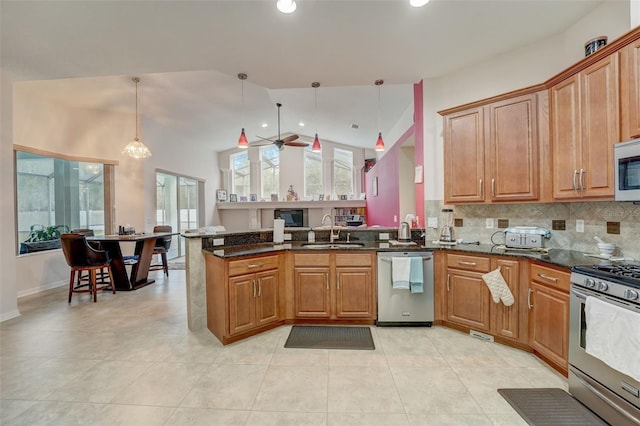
{"points": [[254, 253]]}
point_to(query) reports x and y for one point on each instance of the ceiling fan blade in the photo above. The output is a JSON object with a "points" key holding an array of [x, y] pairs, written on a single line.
{"points": [[299, 144], [290, 138], [265, 139], [262, 143]]}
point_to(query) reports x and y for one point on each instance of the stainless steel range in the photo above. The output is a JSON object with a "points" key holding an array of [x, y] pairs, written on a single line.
{"points": [[610, 393]]}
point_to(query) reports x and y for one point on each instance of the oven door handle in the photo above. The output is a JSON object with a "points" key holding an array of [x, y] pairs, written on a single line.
{"points": [[579, 294], [604, 398]]}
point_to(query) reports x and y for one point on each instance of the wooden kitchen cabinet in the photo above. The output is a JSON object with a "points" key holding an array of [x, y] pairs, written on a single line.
{"points": [[334, 286], [243, 296], [491, 152], [630, 91], [584, 127], [469, 301], [548, 302]]}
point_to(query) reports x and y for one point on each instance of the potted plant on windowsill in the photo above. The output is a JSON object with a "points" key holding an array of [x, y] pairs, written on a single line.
{"points": [[42, 238]]}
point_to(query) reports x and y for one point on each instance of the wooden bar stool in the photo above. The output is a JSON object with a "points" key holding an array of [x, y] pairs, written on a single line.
{"points": [[80, 256]]}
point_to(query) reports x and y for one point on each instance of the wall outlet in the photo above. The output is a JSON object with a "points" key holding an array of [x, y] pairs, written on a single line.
{"points": [[489, 223], [395, 218], [383, 236], [579, 225], [287, 237], [432, 222], [218, 242]]}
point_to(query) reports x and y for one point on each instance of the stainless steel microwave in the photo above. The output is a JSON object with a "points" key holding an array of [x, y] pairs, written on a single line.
{"points": [[627, 170]]}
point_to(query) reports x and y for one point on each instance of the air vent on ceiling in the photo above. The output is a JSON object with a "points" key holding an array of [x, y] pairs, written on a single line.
{"points": [[354, 126]]}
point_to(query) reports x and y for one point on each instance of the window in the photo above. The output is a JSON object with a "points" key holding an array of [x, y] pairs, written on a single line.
{"points": [[270, 160], [240, 176], [53, 191], [312, 173], [342, 172]]}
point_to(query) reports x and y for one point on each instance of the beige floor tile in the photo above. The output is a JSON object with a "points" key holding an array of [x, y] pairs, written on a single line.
{"points": [[507, 420], [449, 420], [129, 415], [293, 388], [256, 350], [363, 390], [226, 387], [300, 357], [492, 403], [367, 419], [54, 413], [271, 418], [489, 379], [357, 358], [163, 384], [546, 377], [10, 409], [207, 417], [100, 384]]}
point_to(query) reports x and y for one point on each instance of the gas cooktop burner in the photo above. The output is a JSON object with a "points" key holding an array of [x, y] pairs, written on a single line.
{"points": [[623, 273]]}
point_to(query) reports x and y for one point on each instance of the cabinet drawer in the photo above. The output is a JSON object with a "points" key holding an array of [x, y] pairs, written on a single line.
{"points": [[316, 259], [256, 264], [550, 277], [353, 259], [468, 263]]}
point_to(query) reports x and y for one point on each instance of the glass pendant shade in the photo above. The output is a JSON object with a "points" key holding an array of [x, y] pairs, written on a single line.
{"points": [[316, 145], [136, 149], [380, 143], [418, 3], [242, 140]]}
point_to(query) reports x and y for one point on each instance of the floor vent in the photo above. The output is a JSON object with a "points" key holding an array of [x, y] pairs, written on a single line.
{"points": [[481, 336]]}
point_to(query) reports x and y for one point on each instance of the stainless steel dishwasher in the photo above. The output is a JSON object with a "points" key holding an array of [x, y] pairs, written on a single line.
{"points": [[399, 306]]}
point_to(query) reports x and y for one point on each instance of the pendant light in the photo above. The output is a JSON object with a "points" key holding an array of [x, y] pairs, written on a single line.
{"points": [[418, 3], [286, 6], [316, 142], [242, 140], [135, 148], [379, 142]]}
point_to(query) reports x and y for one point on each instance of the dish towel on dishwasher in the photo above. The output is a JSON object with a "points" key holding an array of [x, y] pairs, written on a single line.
{"points": [[416, 277], [613, 336], [498, 287], [400, 272]]}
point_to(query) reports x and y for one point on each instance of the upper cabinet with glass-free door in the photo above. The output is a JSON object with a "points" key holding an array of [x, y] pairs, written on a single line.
{"points": [[630, 91]]}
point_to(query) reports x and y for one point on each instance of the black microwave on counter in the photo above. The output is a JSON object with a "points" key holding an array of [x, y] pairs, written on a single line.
{"points": [[293, 218]]}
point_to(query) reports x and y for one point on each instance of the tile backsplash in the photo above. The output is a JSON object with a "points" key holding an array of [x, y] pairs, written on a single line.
{"points": [[598, 217]]}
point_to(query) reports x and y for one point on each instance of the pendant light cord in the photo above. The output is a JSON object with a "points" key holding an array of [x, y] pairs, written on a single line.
{"points": [[136, 80], [315, 94], [379, 119]]}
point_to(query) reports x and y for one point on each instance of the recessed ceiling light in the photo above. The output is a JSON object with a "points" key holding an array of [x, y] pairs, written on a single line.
{"points": [[418, 3], [301, 124], [286, 6], [265, 125], [354, 126]]}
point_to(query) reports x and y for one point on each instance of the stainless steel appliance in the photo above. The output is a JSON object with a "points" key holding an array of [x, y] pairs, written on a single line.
{"points": [[626, 170], [401, 307], [446, 233], [404, 232], [612, 395], [293, 217], [526, 236]]}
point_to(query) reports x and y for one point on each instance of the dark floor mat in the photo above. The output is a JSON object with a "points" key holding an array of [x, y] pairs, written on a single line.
{"points": [[330, 337], [549, 406]]}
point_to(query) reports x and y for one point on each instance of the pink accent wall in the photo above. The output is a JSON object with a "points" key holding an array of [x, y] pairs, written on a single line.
{"points": [[382, 208]]}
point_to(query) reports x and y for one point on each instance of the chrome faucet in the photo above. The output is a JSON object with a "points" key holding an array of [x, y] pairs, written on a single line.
{"points": [[332, 236]]}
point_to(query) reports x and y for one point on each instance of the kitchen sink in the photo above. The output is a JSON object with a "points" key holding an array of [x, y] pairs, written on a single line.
{"points": [[332, 245]]}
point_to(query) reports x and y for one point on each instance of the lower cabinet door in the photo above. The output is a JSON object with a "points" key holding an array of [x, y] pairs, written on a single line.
{"points": [[468, 300], [267, 306], [312, 293], [504, 320], [549, 321], [353, 293], [242, 306]]}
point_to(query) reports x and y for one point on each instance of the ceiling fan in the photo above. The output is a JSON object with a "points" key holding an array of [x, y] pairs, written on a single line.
{"points": [[280, 143]]}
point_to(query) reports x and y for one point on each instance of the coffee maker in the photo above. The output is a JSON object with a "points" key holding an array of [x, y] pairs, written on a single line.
{"points": [[446, 233]]}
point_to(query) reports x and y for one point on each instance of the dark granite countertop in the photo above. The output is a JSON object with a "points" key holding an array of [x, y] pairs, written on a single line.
{"points": [[556, 257]]}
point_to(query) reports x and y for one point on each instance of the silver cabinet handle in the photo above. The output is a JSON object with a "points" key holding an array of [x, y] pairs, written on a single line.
{"points": [[575, 186], [448, 288], [338, 280], [462, 262], [582, 179], [254, 289], [259, 287], [529, 299], [480, 187], [579, 295], [327, 281], [493, 187], [547, 277], [255, 265]]}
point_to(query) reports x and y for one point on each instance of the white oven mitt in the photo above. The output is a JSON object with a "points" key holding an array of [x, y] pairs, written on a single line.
{"points": [[498, 287]]}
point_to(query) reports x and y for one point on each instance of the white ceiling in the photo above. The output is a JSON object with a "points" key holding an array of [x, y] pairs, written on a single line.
{"points": [[188, 53]]}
